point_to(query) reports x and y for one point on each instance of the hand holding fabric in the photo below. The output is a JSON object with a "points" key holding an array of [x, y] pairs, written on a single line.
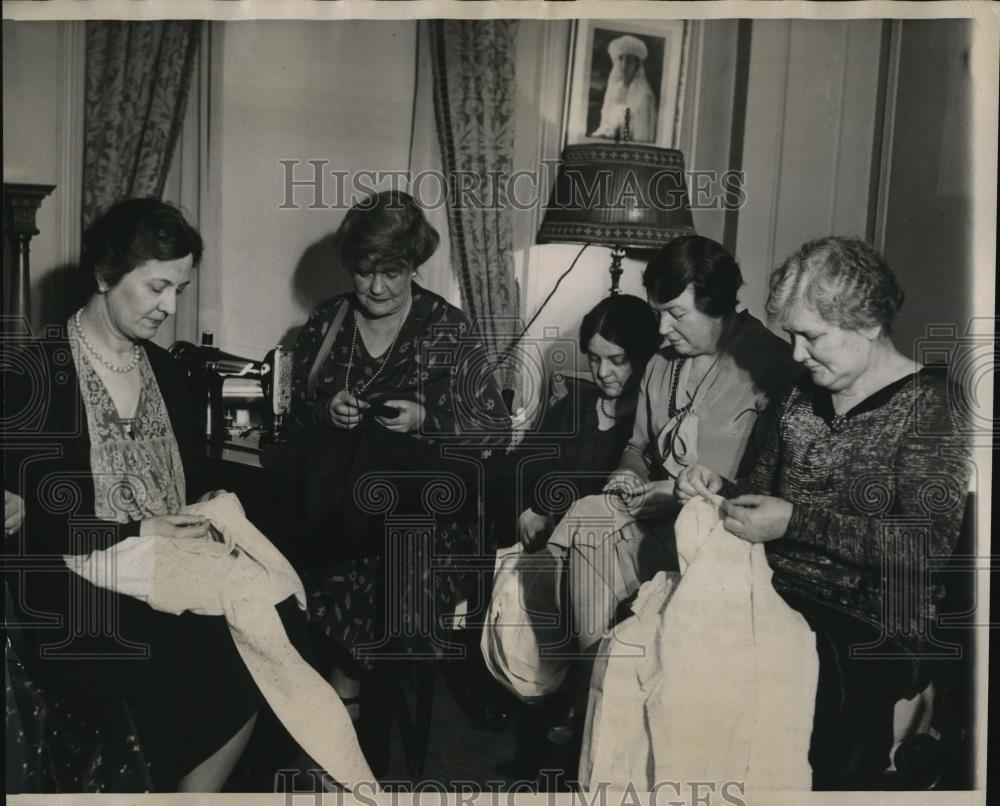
{"points": [[757, 518], [409, 419], [697, 481], [186, 526], [533, 530], [346, 409], [651, 498], [624, 482]]}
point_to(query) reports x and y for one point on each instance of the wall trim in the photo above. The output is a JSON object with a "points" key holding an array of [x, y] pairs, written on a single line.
{"points": [[878, 201], [741, 83], [687, 141], [71, 68], [210, 64], [772, 236], [845, 48]]}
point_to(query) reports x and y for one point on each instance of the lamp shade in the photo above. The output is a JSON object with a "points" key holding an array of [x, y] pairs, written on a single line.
{"points": [[618, 194]]}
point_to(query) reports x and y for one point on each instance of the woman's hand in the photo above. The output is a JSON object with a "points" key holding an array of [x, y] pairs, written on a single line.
{"points": [[346, 409], [211, 494], [187, 526], [409, 419], [533, 530], [13, 512], [651, 498], [757, 518], [695, 481]]}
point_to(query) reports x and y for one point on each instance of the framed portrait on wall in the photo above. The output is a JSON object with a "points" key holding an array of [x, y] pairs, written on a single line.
{"points": [[628, 69]]}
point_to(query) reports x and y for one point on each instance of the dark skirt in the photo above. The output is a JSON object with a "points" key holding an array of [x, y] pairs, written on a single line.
{"points": [[399, 605], [862, 674], [183, 683], [394, 527]]}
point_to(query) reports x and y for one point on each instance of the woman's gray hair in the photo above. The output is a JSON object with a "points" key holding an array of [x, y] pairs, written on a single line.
{"points": [[844, 280]]}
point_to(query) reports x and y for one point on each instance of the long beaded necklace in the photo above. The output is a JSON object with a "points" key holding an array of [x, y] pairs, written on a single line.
{"points": [[94, 352], [672, 408], [385, 358]]}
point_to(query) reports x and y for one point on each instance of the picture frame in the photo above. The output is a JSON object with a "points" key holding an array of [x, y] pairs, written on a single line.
{"points": [[648, 81]]}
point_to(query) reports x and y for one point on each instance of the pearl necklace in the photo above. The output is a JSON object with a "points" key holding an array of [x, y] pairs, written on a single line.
{"points": [[385, 357], [94, 352]]}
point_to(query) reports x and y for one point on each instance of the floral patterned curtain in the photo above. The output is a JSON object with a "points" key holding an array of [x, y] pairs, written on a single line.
{"points": [[474, 93], [137, 80]]}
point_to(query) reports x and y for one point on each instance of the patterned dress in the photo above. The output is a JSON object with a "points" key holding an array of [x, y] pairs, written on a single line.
{"points": [[878, 493], [391, 514]]}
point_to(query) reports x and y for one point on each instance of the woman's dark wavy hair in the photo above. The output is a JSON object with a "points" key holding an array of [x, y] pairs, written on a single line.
{"points": [[699, 262], [133, 232], [385, 227], [627, 321]]}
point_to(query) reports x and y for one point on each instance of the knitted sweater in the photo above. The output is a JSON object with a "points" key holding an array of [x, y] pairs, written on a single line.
{"points": [[876, 491]]}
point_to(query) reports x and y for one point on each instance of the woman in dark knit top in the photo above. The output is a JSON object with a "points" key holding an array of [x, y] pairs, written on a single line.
{"points": [[592, 425], [864, 478]]}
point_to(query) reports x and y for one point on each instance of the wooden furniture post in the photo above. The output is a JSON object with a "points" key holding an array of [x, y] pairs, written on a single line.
{"points": [[20, 203]]}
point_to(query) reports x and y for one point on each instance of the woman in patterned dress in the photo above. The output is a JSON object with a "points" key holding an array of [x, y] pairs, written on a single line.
{"points": [[862, 481], [386, 378]]}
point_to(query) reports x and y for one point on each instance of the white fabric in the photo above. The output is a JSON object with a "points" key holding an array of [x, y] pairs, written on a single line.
{"points": [[728, 683], [615, 742], [589, 521], [611, 553], [243, 579], [524, 616]]}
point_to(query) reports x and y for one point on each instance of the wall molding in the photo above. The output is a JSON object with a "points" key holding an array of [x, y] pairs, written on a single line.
{"points": [[884, 135], [778, 175], [71, 68], [842, 89], [687, 141], [210, 85], [744, 44]]}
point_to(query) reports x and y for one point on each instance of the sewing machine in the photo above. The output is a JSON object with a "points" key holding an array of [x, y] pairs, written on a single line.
{"points": [[241, 398]]}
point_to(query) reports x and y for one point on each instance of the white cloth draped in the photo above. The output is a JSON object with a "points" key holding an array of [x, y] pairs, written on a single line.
{"points": [[727, 682], [242, 578]]}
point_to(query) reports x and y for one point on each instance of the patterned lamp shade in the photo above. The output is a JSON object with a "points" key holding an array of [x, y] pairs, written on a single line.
{"points": [[622, 195]]}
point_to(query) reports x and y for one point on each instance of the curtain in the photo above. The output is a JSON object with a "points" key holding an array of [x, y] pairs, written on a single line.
{"points": [[474, 93], [137, 80]]}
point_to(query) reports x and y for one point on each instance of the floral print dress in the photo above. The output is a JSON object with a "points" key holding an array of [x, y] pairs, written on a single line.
{"points": [[406, 514]]}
